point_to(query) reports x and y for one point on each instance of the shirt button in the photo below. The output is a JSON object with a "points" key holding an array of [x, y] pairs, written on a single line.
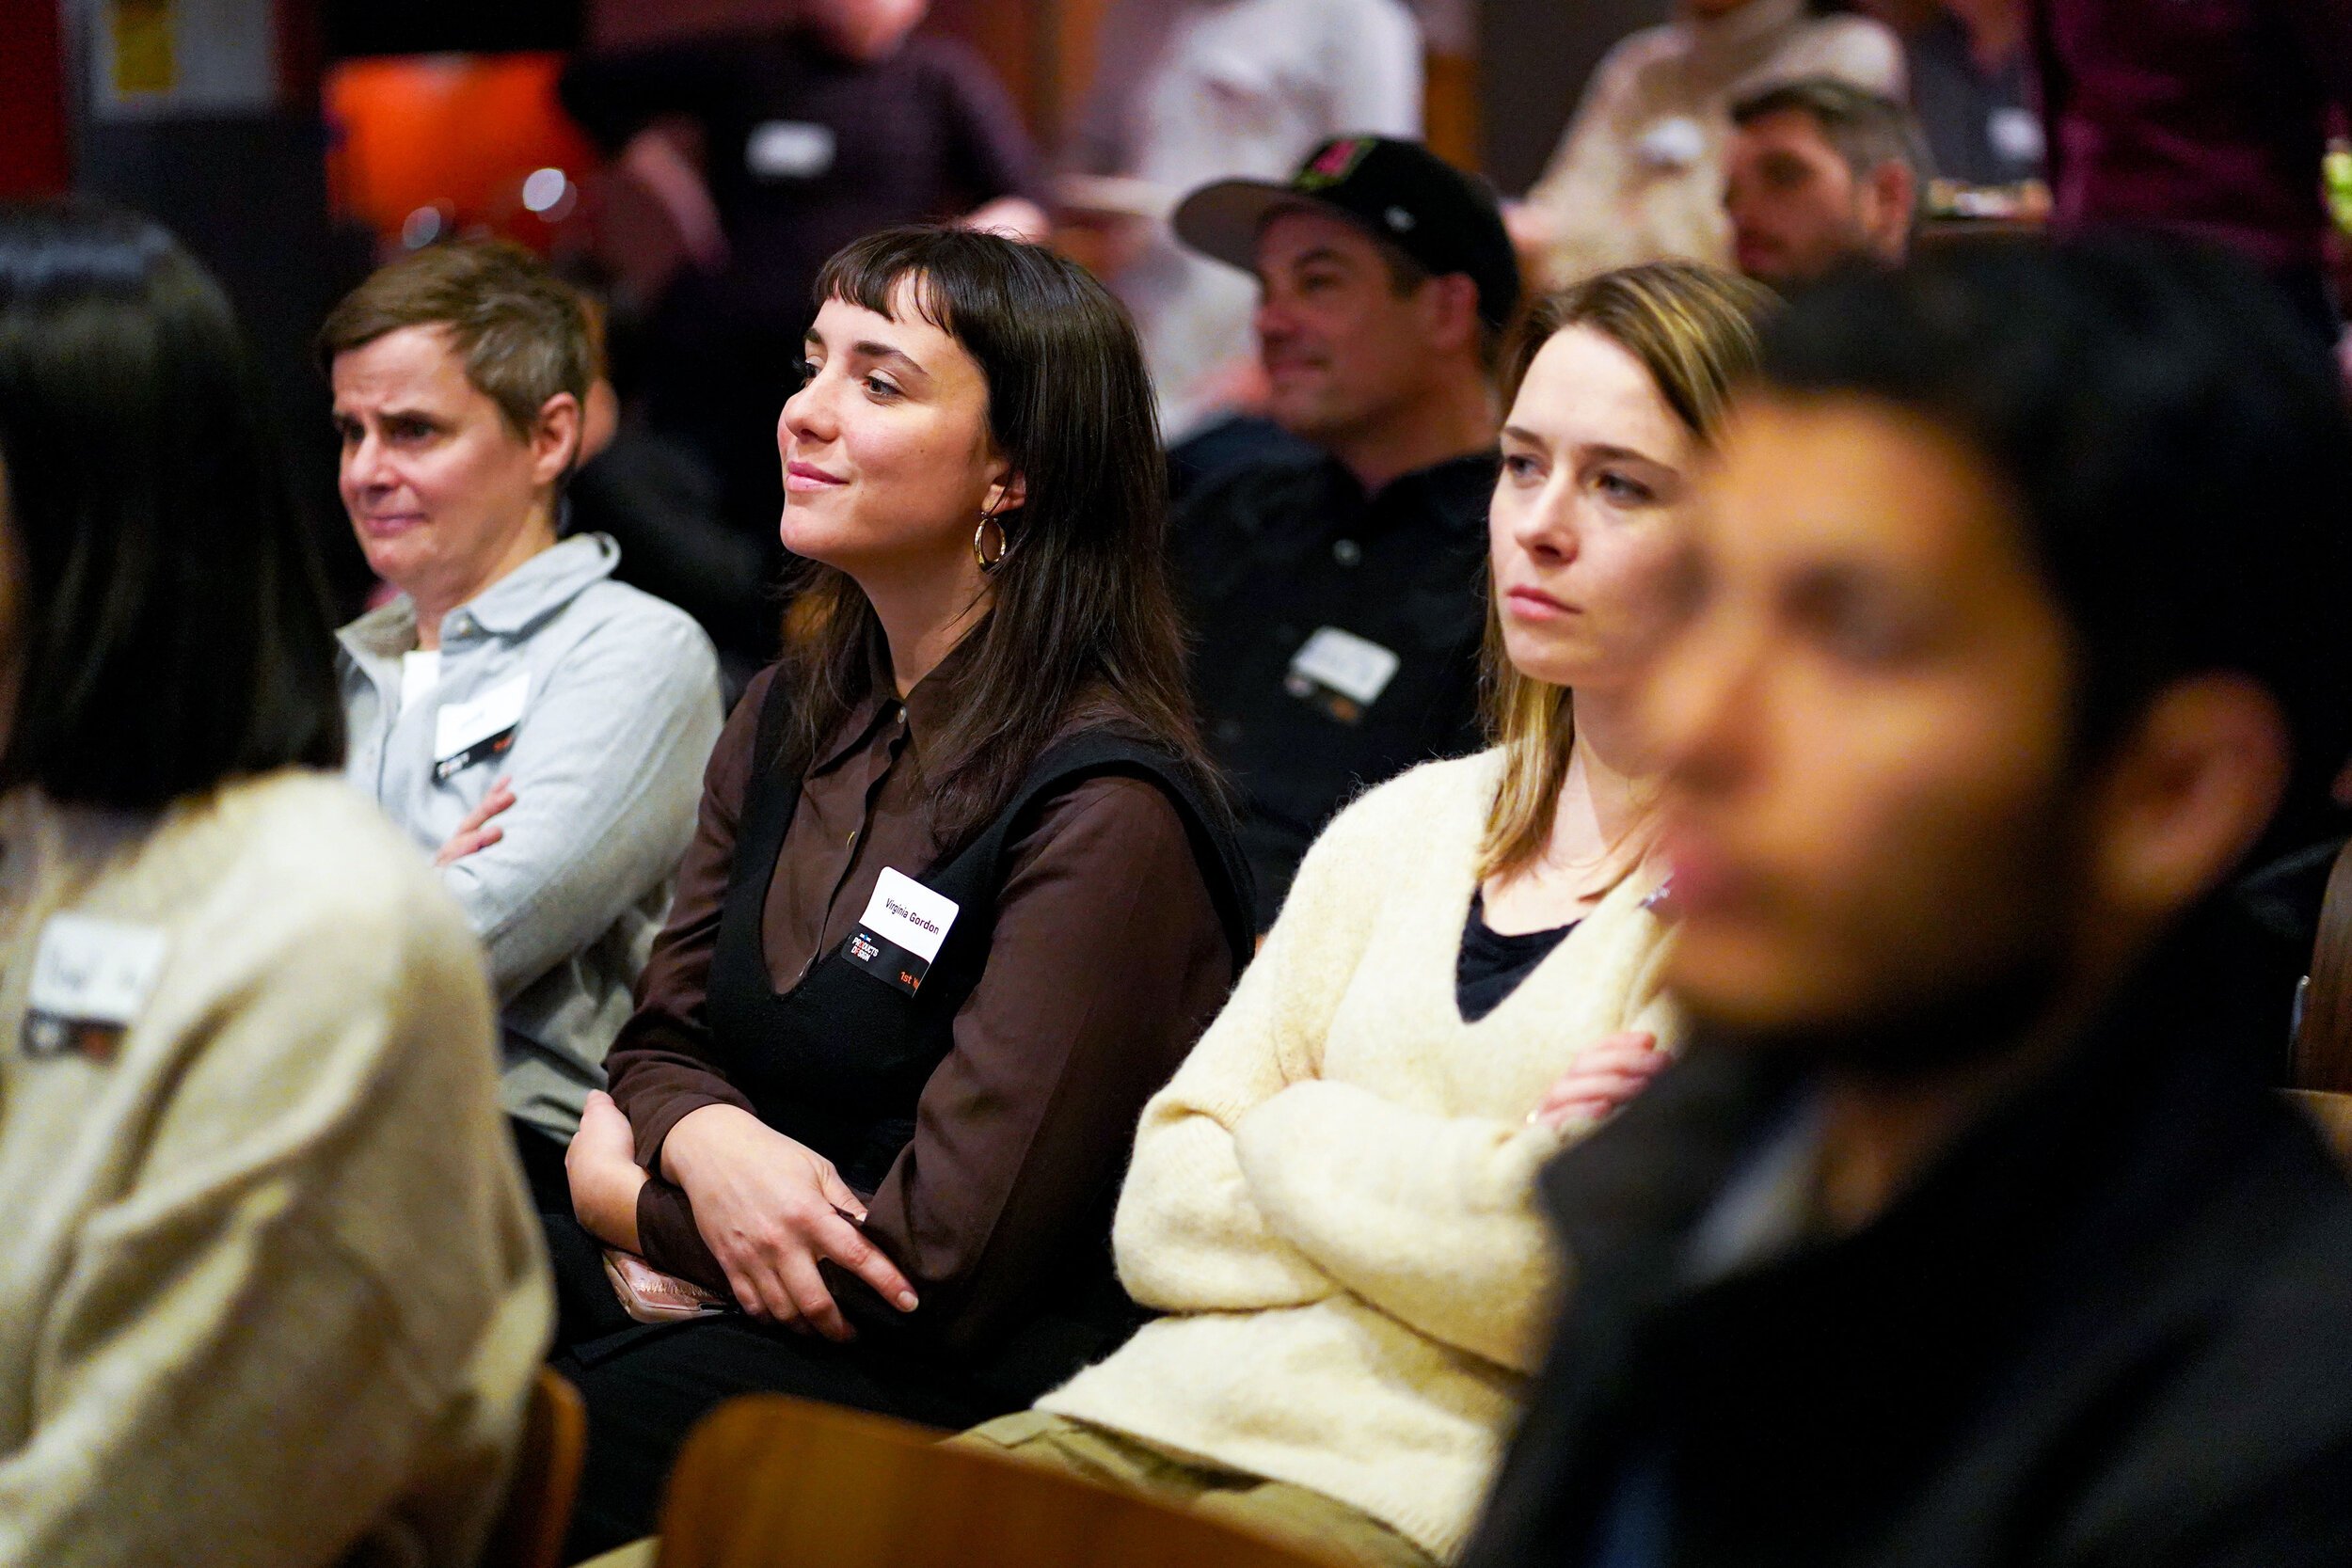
{"points": [[1228, 730], [1347, 552]]}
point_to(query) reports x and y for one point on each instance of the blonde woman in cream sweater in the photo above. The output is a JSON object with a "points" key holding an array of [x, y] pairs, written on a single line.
{"points": [[1331, 1200]]}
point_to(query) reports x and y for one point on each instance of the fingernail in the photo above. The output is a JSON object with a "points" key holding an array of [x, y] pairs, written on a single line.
{"points": [[906, 1301]]}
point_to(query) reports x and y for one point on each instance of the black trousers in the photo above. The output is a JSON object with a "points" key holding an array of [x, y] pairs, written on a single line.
{"points": [[648, 1385]]}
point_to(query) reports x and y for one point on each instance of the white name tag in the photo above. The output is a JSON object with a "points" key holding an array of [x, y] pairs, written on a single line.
{"points": [[1357, 668], [466, 732], [91, 978], [790, 150], [902, 930], [910, 914]]}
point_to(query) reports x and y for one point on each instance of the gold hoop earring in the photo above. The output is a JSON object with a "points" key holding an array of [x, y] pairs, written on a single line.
{"points": [[1004, 544]]}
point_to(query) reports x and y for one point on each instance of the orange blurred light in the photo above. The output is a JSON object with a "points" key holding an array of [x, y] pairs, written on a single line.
{"points": [[428, 146]]}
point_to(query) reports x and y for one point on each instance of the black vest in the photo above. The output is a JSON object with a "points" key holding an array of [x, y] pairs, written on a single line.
{"points": [[839, 1061]]}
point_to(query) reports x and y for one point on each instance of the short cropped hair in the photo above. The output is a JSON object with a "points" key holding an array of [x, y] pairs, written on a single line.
{"points": [[174, 630], [2175, 443], [523, 334], [1866, 128]]}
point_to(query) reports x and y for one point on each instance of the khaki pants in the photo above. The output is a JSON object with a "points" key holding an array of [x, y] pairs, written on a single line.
{"points": [[1289, 1513]]}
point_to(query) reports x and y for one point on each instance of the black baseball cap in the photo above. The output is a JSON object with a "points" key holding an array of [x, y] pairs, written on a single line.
{"points": [[1399, 191]]}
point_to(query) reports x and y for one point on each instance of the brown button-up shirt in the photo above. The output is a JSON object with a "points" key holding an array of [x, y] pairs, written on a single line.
{"points": [[1107, 962]]}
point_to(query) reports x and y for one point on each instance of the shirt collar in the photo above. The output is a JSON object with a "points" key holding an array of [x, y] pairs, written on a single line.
{"points": [[508, 608], [927, 708], [1452, 493]]}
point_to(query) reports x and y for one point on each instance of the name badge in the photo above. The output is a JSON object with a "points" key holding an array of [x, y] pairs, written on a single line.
{"points": [[899, 934], [91, 978], [474, 731], [790, 150], [1341, 673]]}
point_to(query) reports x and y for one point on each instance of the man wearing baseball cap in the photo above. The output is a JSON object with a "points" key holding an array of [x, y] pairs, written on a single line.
{"points": [[1339, 601]]}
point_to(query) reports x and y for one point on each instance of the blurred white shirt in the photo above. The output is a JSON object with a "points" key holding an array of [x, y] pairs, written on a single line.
{"points": [[1189, 91]]}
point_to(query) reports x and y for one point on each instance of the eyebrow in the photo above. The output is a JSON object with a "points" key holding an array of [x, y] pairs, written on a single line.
{"points": [[869, 349], [1600, 450]]}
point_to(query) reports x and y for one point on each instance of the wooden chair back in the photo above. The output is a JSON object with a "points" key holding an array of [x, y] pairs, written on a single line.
{"points": [[529, 1530], [2323, 1041], [774, 1482]]}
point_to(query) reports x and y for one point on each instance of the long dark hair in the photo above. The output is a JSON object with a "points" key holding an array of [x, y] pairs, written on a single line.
{"points": [[175, 629], [1084, 623]]}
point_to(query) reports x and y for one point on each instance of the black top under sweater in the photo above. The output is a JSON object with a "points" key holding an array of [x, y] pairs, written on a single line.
{"points": [[1491, 965]]}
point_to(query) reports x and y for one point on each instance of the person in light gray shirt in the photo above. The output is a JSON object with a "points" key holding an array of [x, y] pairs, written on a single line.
{"points": [[541, 728]]}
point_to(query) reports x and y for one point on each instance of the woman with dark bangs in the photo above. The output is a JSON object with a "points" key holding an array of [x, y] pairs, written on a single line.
{"points": [[960, 897]]}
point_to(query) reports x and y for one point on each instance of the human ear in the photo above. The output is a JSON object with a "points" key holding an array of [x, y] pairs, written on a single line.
{"points": [[2188, 793], [1008, 494], [555, 441], [1894, 193], [1450, 305]]}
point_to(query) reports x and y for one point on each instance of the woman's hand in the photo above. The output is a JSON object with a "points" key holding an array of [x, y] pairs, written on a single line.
{"points": [[605, 1176], [474, 833], [771, 1209], [1603, 1077]]}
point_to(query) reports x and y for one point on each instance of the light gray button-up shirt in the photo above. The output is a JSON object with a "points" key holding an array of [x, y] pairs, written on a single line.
{"points": [[613, 701]]}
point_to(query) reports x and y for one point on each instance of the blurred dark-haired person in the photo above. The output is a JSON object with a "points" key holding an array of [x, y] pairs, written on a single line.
{"points": [[2207, 119], [1333, 1203], [765, 149], [1338, 601], [962, 896], [1820, 174], [538, 727], [271, 1295], [1968, 1231]]}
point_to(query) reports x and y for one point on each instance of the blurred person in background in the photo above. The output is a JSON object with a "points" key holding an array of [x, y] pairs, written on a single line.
{"points": [[1639, 172], [2207, 119], [903, 1175], [769, 152], [1188, 91], [1821, 173], [271, 1295], [1971, 85], [1333, 1201], [1969, 1228], [1339, 600], [539, 728]]}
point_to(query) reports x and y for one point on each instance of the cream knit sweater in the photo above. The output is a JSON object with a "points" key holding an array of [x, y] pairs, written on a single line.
{"points": [[270, 1293], [1333, 1197]]}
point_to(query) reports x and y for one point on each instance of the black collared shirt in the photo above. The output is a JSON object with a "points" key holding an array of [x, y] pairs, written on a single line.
{"points": [[1278, 558]]}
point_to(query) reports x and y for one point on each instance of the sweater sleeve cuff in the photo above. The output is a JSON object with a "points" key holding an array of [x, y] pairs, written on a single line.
{"points": [[669, 1240]]}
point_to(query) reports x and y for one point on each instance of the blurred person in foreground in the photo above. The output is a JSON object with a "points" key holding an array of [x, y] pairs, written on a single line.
{"points": [[1339, 600], [1333, 1201], [1187, 92], [1639, 172], [1968, 1231], [537, 727], [765, 152], [2207, 119], [1821, 173], [271, 1295]]}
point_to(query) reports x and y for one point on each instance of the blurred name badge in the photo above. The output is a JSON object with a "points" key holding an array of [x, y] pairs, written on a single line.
{"points": [[790, 150], [1340, 672], [91, 978], [471, 732], [899, 934]]}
